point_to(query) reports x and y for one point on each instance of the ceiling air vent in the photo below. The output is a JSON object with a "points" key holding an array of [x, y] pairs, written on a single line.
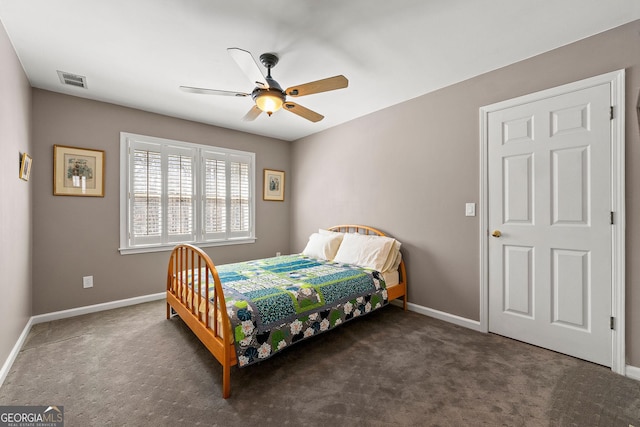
{"points": [[72, 79]]}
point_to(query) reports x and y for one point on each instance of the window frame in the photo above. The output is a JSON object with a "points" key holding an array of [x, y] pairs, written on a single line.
{"points": [[199, 154]]}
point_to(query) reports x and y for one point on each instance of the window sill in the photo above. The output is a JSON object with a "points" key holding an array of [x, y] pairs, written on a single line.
{"points": [[166, 248]]}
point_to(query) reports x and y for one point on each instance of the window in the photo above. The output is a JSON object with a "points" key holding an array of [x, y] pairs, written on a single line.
{"points": [[177, 192]]}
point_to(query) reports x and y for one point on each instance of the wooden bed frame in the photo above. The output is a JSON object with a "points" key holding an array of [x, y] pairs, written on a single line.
{"points": [[217, 338]]}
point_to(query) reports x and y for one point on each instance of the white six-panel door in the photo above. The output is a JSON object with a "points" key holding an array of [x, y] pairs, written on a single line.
{"points": [[550, 258]]}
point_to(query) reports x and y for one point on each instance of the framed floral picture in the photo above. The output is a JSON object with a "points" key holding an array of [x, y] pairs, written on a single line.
{"points": [[273, 185], [78, 171], [25, 166]]}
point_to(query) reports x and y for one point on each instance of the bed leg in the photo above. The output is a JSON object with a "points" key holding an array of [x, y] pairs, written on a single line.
{"points": [[226, 380], [404, 301], [168, 311]]}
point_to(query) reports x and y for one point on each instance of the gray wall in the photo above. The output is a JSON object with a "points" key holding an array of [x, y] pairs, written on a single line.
{"points": [[15, 198], [410, 169], [79, 236]]}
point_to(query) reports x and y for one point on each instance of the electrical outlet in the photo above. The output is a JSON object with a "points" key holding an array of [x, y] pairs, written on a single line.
{"points": [[278, 254], [87, 282]]}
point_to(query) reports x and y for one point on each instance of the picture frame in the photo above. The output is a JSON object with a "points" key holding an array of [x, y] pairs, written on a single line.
{"points": [[25, 166], [78, 171], [273, 185]]}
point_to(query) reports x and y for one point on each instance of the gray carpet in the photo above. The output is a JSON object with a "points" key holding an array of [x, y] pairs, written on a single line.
{"points": [[133, 367]]}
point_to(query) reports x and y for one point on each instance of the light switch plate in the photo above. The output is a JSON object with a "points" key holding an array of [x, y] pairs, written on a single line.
{"points": [[470, 209]]}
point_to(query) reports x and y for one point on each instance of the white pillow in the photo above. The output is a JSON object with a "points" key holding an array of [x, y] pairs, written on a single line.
{"points": [[390, 264], [364, 251], [321, 246], [330, 233]]}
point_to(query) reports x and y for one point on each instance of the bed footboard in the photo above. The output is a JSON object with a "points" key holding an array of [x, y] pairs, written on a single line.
{"points": [[201, 304]]}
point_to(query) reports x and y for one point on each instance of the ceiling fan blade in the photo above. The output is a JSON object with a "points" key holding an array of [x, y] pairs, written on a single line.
{"points": [[252, 114], [324, 85], [303, 112], [249, 66], [211, 91]]}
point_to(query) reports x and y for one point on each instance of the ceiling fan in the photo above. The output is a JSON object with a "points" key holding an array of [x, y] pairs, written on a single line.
{"points": [[268, 95]]}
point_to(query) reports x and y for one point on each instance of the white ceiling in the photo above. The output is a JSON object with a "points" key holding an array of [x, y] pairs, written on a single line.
{"points": [[136, 53]]}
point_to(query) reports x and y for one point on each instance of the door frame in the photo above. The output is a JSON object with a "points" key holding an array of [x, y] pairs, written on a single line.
{"points": [[617, 80]]}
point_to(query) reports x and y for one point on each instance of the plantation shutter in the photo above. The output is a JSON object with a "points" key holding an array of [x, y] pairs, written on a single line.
{"points": [[215, 196], [227, 195], [147, 213], [180, 188], [240, 197]]}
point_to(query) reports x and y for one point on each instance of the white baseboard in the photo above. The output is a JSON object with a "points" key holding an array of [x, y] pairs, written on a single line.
{"points": [[632, 372], [41, 318], [447, 317], [14, 352], [72, 312]]}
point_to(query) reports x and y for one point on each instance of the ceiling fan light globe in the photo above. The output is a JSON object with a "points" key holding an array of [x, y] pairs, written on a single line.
{"points": [[269, 102]]}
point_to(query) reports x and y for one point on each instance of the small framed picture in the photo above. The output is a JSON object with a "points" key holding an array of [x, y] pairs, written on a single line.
{"points": [[25, 166], [78, 171], [273, 185]]}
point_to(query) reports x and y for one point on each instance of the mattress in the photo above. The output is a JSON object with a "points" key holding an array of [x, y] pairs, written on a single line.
{"points": [[391, 278]]}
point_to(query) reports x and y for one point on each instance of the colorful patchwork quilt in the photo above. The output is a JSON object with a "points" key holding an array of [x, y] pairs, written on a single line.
{"points": [[275, 302]]}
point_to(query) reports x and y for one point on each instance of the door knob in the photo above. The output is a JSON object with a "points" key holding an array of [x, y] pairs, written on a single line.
{"points": [[496, 233]]}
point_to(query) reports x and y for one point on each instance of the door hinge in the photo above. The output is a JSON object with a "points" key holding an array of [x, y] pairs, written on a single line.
{"points": [[612, 323], [611, 218], [611, 113]]}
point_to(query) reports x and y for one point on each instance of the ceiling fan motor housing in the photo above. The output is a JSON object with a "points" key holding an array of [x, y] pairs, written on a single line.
{"points": [[271, 91], [274, 92]]}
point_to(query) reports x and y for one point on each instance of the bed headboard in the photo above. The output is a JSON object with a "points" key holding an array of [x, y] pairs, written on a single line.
{"points": [[396, 291], [352, 228]]}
